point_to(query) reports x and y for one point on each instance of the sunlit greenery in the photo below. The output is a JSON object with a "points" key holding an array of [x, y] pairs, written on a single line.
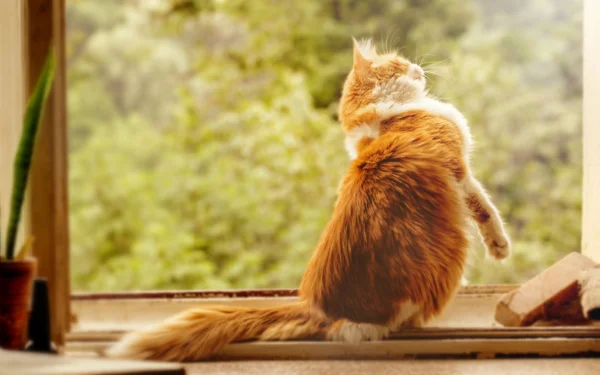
{"points": [[205, 150]]}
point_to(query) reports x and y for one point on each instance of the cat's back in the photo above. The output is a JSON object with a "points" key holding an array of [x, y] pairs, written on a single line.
{"points": [[398, 230]]}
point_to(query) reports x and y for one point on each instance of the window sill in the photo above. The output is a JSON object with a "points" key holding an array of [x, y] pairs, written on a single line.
{"points": [[466, 328]]}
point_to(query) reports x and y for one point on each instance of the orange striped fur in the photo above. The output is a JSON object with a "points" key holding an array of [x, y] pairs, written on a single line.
{"points": [[379, 92], [393, 252]]}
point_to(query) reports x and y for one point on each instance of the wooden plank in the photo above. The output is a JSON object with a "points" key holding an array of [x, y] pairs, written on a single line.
{"points": [[433, 333], [44, 22], [545, 296], [464, 366], [402, 348], [521, 366], [591, 131], [11, 101], [388, 349], [29, 363]]}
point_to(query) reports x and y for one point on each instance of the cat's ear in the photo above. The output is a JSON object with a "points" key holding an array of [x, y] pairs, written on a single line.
{"points": [[361, 63]]}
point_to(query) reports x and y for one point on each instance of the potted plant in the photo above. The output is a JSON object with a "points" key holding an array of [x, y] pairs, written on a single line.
{"points": [[17, 269]]}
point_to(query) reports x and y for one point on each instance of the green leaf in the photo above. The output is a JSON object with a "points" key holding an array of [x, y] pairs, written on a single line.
{"points": [[22, 164]]}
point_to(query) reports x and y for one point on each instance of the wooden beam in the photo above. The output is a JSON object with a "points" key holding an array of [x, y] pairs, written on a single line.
{"points": [[591, 131], [11, 101], [486, 348], [21, 363], [385, 349], [45, 23]]}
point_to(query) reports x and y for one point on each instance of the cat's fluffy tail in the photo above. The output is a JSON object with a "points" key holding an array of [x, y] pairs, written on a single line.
{"points": [[201, 333]]}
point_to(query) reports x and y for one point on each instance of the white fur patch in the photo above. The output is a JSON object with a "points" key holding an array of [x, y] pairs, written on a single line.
{"points": [[408, 309], [354, 135], [356, 332], [448, 111], [389, 109], [435, 107]]}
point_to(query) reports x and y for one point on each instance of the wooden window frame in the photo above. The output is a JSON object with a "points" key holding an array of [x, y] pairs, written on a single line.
{"points": [[30, 26], [590, 228], [26, 29]]}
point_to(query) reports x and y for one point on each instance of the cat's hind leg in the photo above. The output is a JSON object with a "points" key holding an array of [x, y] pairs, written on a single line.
{"points": [[353, 332], [487, 217], [415, 321], [410, 315]]}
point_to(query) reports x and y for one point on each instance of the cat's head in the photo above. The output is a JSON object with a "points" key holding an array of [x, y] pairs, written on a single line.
{"points": [[376, 78]]}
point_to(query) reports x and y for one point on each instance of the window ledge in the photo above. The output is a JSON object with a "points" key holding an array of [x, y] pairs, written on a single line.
{"points": [[465, 328]]}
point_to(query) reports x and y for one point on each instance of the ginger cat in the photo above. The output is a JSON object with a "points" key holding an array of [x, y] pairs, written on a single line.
{"points": [[383, 89], [393, 252]]}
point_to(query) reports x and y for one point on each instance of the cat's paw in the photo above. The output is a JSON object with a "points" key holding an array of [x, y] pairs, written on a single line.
{"points": [[498, 247]]}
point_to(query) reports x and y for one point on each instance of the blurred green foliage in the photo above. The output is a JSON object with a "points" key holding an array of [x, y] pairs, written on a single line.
{"points": [[204, 147]]}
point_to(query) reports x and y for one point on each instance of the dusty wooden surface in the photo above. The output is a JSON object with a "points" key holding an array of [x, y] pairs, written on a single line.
{"points": [[21, 363], [536, 366]]}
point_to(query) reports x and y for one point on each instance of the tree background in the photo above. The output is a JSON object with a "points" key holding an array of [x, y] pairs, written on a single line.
{"points": [[205, 152]]}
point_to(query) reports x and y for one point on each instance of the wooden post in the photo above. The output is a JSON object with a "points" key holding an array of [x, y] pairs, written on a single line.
{"points": [[11, 101], [591, 131], [45, 24]]}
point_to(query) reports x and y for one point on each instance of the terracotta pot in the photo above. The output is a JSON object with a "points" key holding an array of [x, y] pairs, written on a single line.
{"points": [[16, 280]]}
